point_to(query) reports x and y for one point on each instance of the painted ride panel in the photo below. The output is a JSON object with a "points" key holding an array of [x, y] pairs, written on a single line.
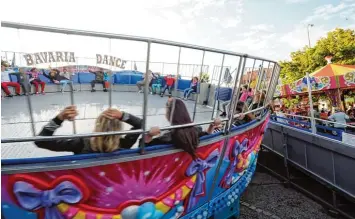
{"points": [[162, 186]]}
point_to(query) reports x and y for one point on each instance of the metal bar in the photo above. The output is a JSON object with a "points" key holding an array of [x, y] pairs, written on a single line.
{"points": [[333, 168], [251, 74], [218, 86], [198, 87], [272, 85], [236, 91], [98, 134], [175, 87], [305, 156], [285, 146], [110, 80], [313, 123], [145, 103], [28, 96], [269, 86], [226, 132], [94, 118], [29, 104], [72, 102], [262, 84], [177, 74], [257, 87], [276, 81], [116, 36]]}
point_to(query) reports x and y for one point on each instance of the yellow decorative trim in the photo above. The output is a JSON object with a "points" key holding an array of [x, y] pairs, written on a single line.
{"points": [[162, 207], [116, 216], [98, 216], [80, 215], [63, 207], [185, 191]]}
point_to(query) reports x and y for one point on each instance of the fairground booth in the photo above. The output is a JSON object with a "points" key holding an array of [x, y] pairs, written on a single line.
{"points": [[332, 86]]}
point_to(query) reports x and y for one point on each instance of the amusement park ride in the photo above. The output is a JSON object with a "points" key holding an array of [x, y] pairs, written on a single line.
{"points": [[145, 182]]}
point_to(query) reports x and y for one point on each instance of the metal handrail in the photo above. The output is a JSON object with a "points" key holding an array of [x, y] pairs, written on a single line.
{"points": [[98, 134], [307, 117], [122, 37]]}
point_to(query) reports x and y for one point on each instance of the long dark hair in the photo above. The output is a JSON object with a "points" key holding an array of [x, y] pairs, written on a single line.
{"points": [[184, 138]]}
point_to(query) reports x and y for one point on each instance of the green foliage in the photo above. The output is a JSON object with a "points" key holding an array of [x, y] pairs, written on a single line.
{"points": [[339, 43], [290, 103], [205, 78]]}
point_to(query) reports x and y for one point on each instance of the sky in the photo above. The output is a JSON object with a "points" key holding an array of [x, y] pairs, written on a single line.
{"points": [[265, 28]]}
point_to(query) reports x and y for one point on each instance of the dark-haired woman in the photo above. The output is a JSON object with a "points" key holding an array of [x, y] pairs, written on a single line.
{"points": [[187, 138]]}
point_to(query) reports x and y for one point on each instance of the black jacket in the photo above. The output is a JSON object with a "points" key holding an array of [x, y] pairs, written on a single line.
{"points": [[82, 145], [166, 138], [56, 77]]}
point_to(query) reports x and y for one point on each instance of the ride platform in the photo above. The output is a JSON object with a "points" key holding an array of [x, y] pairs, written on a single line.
{"points": [[16, 120]]}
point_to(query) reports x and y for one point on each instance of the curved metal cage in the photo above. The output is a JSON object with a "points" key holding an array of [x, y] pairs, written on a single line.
{"points": [[146, 182]]}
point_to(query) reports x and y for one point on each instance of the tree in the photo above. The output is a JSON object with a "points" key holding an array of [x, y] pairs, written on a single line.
{"points": [[339, 43]]}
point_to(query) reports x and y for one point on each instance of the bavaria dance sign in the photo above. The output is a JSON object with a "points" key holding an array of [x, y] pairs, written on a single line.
{"points": [[49, 57], [110, 60], [58, 56]]}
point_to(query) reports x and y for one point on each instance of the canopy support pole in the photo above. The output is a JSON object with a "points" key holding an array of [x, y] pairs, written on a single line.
{"points": [[145, 103], [313, 122], [218, 86]]}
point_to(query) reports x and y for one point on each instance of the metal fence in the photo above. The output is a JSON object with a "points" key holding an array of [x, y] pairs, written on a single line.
{"points": [[242, 63]]}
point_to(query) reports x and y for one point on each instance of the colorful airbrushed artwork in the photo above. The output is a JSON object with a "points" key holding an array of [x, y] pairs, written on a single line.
{"points": [[168, 186]]}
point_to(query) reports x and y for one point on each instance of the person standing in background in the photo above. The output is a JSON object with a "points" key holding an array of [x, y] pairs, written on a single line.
{"points": [[169, 83], [146, 77], [156, 84], [339, 117]]}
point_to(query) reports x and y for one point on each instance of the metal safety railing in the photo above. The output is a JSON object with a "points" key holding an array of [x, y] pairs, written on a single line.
{"points": [[241, 59], [325, 128]]}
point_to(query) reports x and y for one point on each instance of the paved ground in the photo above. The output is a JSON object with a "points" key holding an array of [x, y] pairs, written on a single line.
{"points": [[266, 198]]}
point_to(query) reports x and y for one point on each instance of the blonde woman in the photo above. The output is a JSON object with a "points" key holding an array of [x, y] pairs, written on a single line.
{"points": [[108, 121]]}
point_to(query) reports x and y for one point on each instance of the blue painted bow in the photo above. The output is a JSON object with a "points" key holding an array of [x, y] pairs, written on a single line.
{"points": [[237, 149], [31, 198], [197, 167]]}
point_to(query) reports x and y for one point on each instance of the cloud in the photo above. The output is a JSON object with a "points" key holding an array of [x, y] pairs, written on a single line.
{"points": [[296, 1], [231, 22], [329, 11], [215, 19], [262, 27], [298, 37]]}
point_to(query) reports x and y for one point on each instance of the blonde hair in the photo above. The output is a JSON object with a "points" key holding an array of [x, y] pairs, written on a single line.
{"points": [[106, 143]]}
